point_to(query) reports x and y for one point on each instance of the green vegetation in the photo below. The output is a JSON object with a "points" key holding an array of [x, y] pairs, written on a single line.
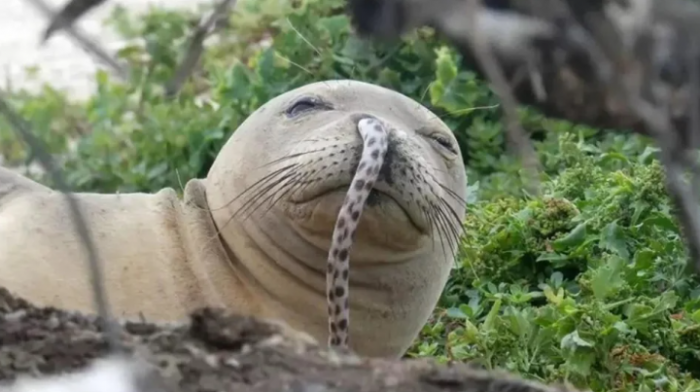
{"points": [[585, 284]]}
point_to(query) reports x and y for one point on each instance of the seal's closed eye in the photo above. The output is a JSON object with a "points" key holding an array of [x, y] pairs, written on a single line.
{"points": [[444, 142], [306, 104], [439, 140]]}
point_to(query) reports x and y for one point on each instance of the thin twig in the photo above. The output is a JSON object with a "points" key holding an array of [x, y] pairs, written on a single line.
{"points": [[516, 134], [673, 153], [83, 41], [68, 14], [603, 60], [195, 48], [22, 128]]}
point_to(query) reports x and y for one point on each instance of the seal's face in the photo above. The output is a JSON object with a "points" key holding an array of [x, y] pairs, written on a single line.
{"points": [[276, 189], [311, 149]]}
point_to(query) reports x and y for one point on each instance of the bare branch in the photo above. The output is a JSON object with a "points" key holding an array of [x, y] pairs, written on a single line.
{"points": [[516, 134], [83, 41], [207, 25], [70, 12], [630, 66]]}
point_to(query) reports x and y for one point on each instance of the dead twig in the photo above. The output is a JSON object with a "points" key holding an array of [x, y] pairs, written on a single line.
{"points": [[68, 14], [517, 137], [674, 154], [207, 26], [83, 41], [627, 66]]}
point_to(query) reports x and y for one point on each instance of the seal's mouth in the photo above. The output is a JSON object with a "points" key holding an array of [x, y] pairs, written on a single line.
{"points": [[380, 194]]}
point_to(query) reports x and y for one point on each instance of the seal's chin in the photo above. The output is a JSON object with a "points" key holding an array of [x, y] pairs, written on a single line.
{"points": [[384, 221]]}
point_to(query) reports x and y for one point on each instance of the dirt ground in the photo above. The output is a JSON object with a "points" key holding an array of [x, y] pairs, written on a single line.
{"points": [[216, 351]]}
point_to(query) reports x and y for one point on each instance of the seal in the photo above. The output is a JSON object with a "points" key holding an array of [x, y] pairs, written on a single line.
{"points": [[255, 235]]}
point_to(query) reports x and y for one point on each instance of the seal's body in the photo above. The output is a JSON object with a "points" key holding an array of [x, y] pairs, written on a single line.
{"points": [[254, 235], [151, 246]]}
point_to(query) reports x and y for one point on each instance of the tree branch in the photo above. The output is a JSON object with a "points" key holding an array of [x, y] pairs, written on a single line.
{"points": [[628, 66]]}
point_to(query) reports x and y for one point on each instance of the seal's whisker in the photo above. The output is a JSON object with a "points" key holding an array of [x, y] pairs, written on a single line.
{"points": [[270, 194], [267, 178], [314, 140], [443, 186], [453, 229], [454, 224], [447, 189], [441, 226], [300, 186], [455, 216], [319, 173], [258, 197], [290, 156], [451, 192], [449, 233], [430, 217], [283, 191], [284, 181], [284, 174], [281, 181]]}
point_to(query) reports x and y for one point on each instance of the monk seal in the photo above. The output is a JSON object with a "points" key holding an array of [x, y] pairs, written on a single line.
{"points": [[255, 234]]}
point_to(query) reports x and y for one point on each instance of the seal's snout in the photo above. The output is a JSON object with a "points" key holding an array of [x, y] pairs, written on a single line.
{"points": [[385, 173]]}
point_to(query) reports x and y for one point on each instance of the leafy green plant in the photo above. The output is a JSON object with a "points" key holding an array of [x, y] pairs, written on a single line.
{"points": [[586, 283], [135, 139]]}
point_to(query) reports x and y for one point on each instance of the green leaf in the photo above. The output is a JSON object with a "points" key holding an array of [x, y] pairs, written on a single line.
{"points": [[644, 259], [552, 297], [574, 238], [337, 26], [695, 316], [557, 278], [622, 327], [489, 322], [471, 332], [607, 278], [573, 340], [456, 313], [552, 257], [356, 49], [446, 69], [613, 239], [581, 362], [660, 220]]}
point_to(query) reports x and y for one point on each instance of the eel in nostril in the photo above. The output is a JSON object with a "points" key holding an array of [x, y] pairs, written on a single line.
{"points": [[375, 142]]}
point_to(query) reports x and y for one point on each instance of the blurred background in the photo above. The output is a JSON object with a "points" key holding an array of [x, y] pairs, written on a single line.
{"points": [[64, 64]]}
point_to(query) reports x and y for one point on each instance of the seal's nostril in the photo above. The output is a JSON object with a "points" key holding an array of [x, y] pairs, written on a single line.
{"points": [[392, 137]]}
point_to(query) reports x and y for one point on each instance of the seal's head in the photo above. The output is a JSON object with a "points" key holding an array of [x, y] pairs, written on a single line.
{"points": [[276, 188]]}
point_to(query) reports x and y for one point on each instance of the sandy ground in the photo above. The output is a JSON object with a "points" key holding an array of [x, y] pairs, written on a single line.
{"points": [[62, 62]]}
